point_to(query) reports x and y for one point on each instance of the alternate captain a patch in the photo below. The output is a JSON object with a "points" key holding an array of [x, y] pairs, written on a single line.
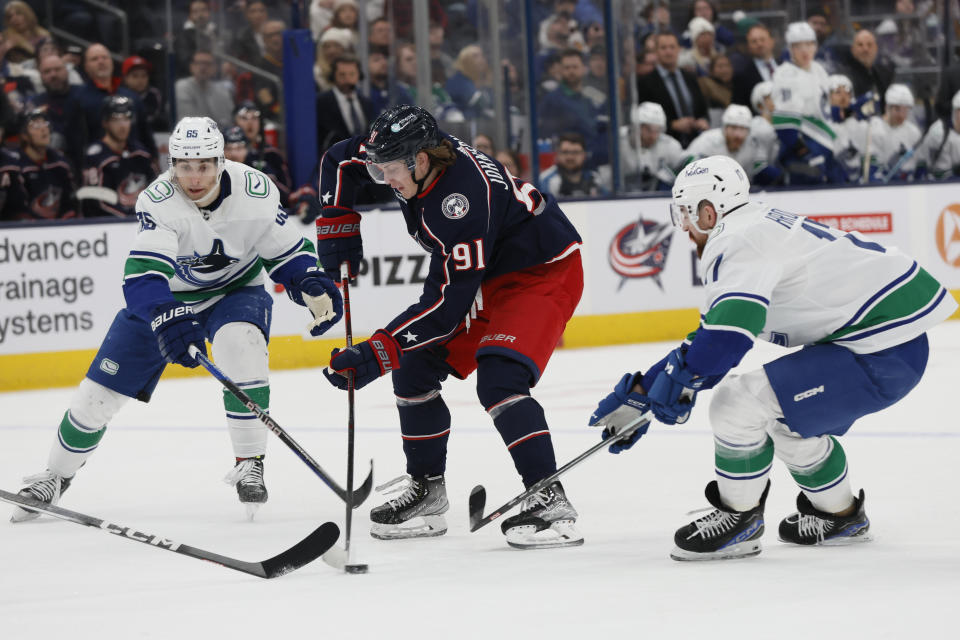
{"points": [[455, 206]]}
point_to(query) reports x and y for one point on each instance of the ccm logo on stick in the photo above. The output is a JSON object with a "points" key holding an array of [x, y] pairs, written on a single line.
{"points": [[809, 393]]}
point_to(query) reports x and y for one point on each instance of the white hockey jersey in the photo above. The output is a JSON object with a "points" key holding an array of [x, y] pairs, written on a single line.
{"points": [[792, 281], [850, 145], [647, 167], [942, 158], [206, 253], [800, 91], [753, 155], [889, 144]]}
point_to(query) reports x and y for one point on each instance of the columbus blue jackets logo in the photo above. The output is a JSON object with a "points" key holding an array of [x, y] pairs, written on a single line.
{"points": [[190, 268], [639, 250], [455, 206]]}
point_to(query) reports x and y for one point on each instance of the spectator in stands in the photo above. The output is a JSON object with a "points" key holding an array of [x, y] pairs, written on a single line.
{"points": [[697, 58], [262, 153], [593, 35], [402, 12], [380, 35], [646, 62], [235, 144], [595, 83], [378, 70], [342, 111], [136, 77], [570, 176], [98, 68], [511, 162], [566, 109], [483, 143], [345, 16], [63, 104], [21, 82], [440, 103], [248, 45], [73, 56], [650, 157], [198, 32], [441, 62], [48, 178], [676, 90], [333, 44], [321, 13], [706, 10], [119, 165], [867, 69], [827, 42], [266, 91], [13, 197], [759, 67], [655, 19], [717, 86], [21, 27], [199, 95], [470, 87], [894, 138], [552, 74]]}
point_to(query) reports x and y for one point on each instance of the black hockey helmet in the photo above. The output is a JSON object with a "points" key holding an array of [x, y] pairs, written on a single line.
{"points": [[246, 106], [31, 116], [234, 135], [400, 132], [116, 105]]}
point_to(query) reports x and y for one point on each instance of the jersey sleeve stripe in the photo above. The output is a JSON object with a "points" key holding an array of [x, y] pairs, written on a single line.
{"points": [[571, 248], [740, 295], [155, 256], [438, 303], [134, 267], [737, 314]]}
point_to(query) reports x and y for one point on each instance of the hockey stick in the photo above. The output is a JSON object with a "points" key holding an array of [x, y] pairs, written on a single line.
{"points": [[300, 554], [285, 437], [336, 557], [478, 497]]}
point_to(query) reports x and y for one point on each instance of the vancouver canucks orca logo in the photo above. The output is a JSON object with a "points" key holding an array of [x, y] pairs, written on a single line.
{"points": [[190, 268], [639, 250]]}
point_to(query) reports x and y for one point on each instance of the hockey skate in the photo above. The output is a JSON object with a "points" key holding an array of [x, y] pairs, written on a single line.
{"points": [[46, 487], [546, 519], [722, 534], [417, 512], [247, 475], [810, 526]]}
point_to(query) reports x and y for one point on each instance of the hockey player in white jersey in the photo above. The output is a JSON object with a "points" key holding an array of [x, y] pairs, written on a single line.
{"points": [[735, 139], [801, 117], [650, 160], [894, 138], [851, 129], [939, 154], [859, 310], [209, 228]]}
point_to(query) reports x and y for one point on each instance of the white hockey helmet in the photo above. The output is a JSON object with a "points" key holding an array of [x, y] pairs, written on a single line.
{"points": [[839, 81], [650, 113], [736, 115], [760, 92], [718, 179], [799, 32], [955, 103], [899, 94], [194, 138]]}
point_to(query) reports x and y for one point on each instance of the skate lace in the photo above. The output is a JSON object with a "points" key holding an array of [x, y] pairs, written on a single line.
{"points": [[809, 525], [43, 485], [541, 498], [407, 487], [246, 472], [716, 523]]}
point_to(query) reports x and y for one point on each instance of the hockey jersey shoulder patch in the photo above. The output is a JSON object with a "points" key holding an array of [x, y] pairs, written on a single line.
{"points": [[455, 206]]}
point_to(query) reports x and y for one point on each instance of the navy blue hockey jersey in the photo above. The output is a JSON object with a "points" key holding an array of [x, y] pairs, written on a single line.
{"points": [[270, 161], [51, 192], [477, 222], [127, 173], [13, 197]]}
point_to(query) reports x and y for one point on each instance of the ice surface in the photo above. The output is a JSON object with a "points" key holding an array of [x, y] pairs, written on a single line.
{"points": [[159, 468]]}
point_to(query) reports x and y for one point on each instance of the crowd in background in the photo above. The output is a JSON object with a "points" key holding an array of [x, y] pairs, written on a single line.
{"points": [[790, 98]]}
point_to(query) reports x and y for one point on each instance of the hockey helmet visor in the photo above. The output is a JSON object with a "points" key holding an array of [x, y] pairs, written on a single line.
{"points": [[396, 137]]}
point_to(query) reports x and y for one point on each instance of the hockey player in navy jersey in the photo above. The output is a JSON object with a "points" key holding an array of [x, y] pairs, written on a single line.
{"points": [[13, 197], [47, 175], [261, 154], [209, 228], [504, 279], [119, 165], [859, 310]]}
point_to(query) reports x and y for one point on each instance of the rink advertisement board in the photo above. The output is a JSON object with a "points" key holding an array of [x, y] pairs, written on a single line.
{"points": [[61, 285]]}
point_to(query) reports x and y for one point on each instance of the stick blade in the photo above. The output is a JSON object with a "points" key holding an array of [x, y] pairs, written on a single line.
{"points": [[478, 499], [361, 493], [304, 552]]}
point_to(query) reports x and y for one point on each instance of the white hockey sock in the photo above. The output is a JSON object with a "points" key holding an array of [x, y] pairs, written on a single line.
{"points": [[83, 425], [240, 350], [742, 471]]}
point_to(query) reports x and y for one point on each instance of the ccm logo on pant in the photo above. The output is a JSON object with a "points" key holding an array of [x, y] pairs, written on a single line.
{"points": [[809, 393]]}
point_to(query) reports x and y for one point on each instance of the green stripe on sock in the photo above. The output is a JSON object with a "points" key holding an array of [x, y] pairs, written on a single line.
{"points": [[824, 474], [740, 462], [76, 438], [260, 395]]}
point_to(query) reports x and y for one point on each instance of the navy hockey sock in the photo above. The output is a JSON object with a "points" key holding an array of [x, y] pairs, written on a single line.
{"points": [[523, 427], [425, 428]]}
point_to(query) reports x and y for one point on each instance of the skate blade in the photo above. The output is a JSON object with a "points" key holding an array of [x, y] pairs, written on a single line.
{"points": [[252, 508], [23, 515], [560, 534], [841, 541], [418, 527], [746, 549]]}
